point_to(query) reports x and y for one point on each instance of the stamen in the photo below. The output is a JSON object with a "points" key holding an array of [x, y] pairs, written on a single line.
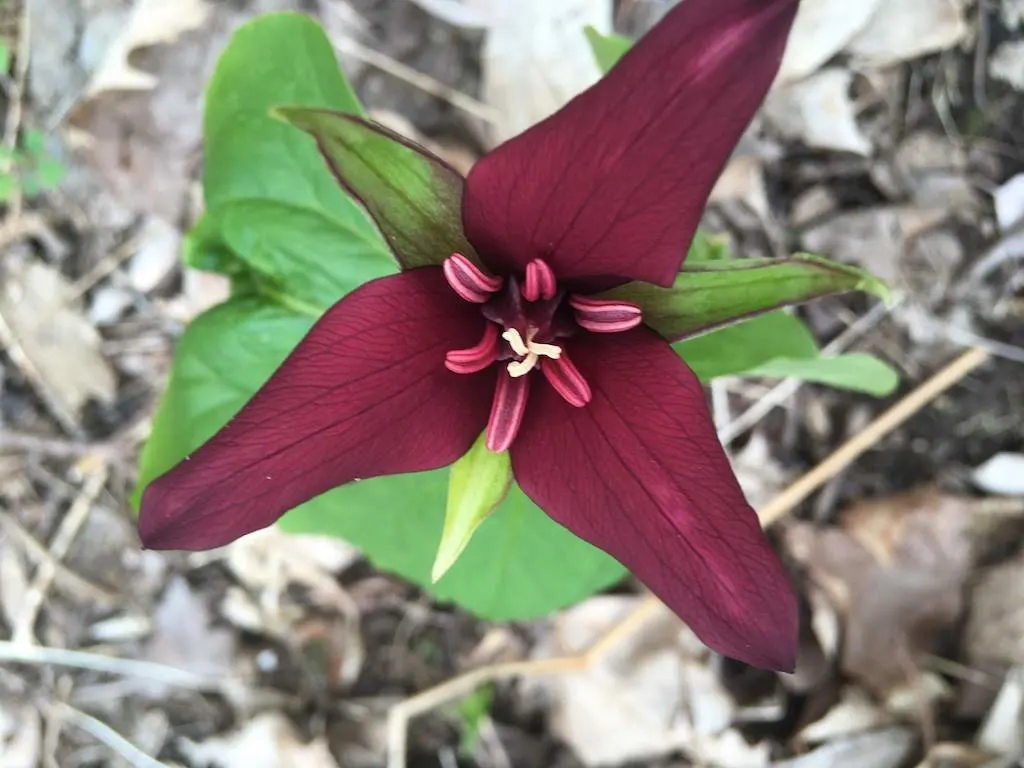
{"points": [[539, 282], [468, 280], [506, 411], [605, 315], [566, 379], [477, 357]]}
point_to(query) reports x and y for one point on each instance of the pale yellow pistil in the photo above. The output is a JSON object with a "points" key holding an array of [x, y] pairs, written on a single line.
{"points": [[530, 350]]}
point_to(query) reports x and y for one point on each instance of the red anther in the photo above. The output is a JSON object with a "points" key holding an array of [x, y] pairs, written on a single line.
{"points": [[507, 411], [605, 315], [539, 282], [477, 357], [567, 380], [468, 280]]}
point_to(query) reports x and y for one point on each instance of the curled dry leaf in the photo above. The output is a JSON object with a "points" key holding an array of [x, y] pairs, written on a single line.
{"points": [[42, 312], [653, 693], [819, 112], [896, 570]]}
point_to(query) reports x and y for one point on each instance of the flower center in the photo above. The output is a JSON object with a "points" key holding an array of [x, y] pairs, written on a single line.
{"points": [[530, 314]]}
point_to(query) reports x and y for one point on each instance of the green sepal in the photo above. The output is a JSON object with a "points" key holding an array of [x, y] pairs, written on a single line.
{"points": [[607, 49], [711, 294], [414, 197]]}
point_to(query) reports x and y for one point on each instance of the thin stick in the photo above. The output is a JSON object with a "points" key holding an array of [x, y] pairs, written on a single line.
{"points": [[24, 625], [870, 435], [106, 735]]}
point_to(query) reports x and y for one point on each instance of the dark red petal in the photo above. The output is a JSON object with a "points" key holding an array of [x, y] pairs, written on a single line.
{"points": [[366, 393], [615, 183], [639, 473]]}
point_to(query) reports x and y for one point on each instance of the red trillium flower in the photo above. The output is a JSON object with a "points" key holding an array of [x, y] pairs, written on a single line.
{"points": [[607, 428]]}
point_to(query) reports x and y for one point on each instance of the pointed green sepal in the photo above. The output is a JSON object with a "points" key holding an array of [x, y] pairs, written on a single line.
{"points": [[607, 49], [414, 197], [711, 294], [477, 484]]}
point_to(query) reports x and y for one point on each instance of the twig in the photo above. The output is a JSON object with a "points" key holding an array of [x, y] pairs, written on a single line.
{"points": [[24, 625], [870, 435], [66, 578], [16, 105], [788, 387], [107, 735], [146, 670], [419, 80], [58, 448]]}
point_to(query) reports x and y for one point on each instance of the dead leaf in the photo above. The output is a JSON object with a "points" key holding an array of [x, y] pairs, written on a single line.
{"points": [[895, 569], [821, 29], [1009, 202], [854, 713], [1002, 732], [901, 30], [1002, 475], [21, 732], [43, 314], [267, 741], [995, 626], [819, 112], [13, 582], [1007, 63], [183, 636], [652, 694], [885, 748]]}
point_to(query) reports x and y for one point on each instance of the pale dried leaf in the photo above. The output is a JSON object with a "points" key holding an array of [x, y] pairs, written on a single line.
{"points": [[819, 112], [43, 314], [901, 30], [652, 694], [156, 255], [743, 179], [1007, 63], [854, 713], [153, 22], [1003, 475], [536, 58], [1009, 202], [1002, 731], [266, 741], [466, 14], [13, 583], [885, 748], [821, 29], [995, 627], [896, 570], [21, 732]]}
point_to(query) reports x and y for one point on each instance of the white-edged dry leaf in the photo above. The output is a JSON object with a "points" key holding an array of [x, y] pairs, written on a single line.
{"points": [[854, 713], [819, 112], [184, 637], [1002, 475], [1007, 63], [152, 22], [884, 748], [21, 732], [895, 569], [1002, 731], [266, 741], [901, 30], [44, 315], [652, 694], [821, 29], [536, 58]]}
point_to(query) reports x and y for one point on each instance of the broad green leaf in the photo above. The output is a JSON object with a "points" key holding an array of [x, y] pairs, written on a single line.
{"points": [[738, 348], [290, 254], [519, 564], [608, 49], [477, 483], [856, 371], [280, 58], [415, 198], [710, 294]]}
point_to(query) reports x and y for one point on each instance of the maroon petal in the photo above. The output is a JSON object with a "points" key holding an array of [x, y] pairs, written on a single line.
{"points": [[366, 393], [639, 473], [613, 185]]}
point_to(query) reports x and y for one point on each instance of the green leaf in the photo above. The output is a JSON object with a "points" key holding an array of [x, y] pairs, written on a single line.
{"points": [[415, 198], [710, 294], [741, 347], [281, 58], [608, 49], [5, 58], [8, 186], [471, 711], [855, 371], [292, 255]]}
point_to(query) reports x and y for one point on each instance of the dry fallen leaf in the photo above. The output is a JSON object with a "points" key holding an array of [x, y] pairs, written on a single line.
{"points": [[21, 732], [42, 312], [821, 29], [266, 741], [1002, 732], [901, 30], [819, 112], [1002, 475], [654, 693], [885, 748], [895, 569], [995, 626]]}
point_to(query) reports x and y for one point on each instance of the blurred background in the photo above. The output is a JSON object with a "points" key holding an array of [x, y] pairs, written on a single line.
{"points": [[894, 140]]}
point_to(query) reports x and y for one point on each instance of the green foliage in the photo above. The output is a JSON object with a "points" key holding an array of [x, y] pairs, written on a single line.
{"points": [[470, 712], [29, 168]]}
